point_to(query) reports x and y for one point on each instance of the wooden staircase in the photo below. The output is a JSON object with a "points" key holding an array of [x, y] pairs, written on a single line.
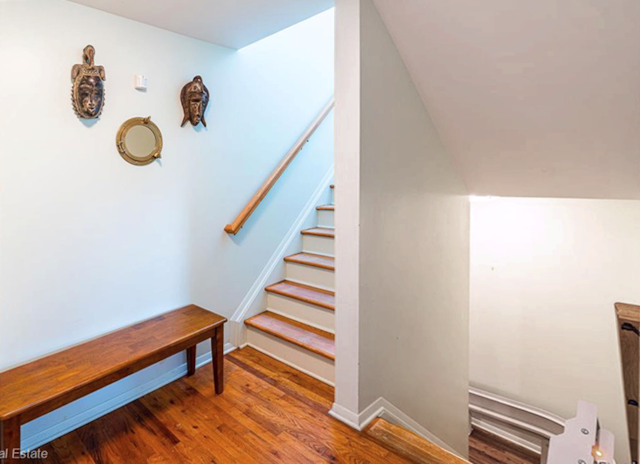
{"points": [[298, 325]]}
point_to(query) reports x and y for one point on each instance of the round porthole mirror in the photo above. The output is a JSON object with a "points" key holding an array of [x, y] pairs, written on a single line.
{"points": [[139, 141]]}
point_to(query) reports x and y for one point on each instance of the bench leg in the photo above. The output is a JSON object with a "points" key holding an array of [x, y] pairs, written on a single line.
{"points": [[10, 440], [191, 360], [217, 354]]}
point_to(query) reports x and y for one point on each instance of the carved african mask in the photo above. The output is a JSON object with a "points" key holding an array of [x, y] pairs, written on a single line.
{"points": [[87, 92], [195, 98]]}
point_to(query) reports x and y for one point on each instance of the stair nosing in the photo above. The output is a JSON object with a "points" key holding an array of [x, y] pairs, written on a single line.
{"points": [[249, 322], [290, 259], [330, 234], [271, 289], [300, 321]]}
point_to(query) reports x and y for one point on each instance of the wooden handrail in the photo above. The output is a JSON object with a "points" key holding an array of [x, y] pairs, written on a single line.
{"points": [[239, 221]]}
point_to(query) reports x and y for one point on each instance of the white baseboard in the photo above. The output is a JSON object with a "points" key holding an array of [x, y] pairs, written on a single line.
{"points": [[243, 310], [389, 412], [290, 364], [518, 423], [345, 416], [90, 408]]}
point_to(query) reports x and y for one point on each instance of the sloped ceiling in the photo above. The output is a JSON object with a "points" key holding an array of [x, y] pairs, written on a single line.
{"points": [[231, 23], [531, 98]]}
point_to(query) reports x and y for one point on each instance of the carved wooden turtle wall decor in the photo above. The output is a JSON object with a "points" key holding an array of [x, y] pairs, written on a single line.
{"points": [[194, 98], [87, 93]]}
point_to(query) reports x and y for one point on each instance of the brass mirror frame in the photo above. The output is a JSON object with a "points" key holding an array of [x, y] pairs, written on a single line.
{"points": [[122, 146]]}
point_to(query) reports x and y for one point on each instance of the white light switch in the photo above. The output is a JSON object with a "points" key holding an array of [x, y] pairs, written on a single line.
{"points": [[140, 82]]}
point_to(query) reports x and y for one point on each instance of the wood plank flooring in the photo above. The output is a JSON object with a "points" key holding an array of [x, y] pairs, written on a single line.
{"points": [[269, 413], [485, 448]]}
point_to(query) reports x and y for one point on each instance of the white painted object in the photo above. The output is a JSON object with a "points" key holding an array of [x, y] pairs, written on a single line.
{"points": [[520, 105], [539, 266], [318, 245], [402, 241], [522, 424], [140, 82], [583, 441], [326, 219], [312, 364], [231, 23], [310, 275]]}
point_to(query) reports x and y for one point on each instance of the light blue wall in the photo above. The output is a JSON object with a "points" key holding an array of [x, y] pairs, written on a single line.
{"points": [[89, 243]]}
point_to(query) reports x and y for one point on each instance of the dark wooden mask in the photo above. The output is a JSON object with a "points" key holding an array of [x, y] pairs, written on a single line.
{"points": [[194, 98], [87, 93]]}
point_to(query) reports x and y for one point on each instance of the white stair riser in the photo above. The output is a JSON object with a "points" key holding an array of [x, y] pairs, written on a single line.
{"points": [[310, 275], [315, 316], [325, 218], [295, 356], [319, 245]]}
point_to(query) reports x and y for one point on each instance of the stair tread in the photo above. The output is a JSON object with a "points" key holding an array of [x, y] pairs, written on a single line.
{"points": [[326, 208], [308, 294], [320, 232], [409, 445], [303, 335], [311, 259]]}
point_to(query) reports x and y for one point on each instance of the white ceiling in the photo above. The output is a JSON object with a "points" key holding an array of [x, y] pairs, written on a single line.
{"points": [[232, 23], [532, 98]]}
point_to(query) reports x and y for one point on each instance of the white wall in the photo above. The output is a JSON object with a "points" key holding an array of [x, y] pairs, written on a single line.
{"points": [[545, 274], [414, 250], [347, 216], [531, 98], [410, 214], [90, 243]]}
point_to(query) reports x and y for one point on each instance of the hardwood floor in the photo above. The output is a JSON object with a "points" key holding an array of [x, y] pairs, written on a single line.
{"points": [[485, 448], [269, 413], [409, 445]]}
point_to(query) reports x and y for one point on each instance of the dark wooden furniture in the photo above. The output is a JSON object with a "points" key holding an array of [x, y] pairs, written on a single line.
{"points": [[629, 335], [39, 387]]}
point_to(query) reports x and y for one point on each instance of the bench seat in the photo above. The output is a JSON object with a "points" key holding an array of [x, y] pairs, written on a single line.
{"points": [[34, 389]]}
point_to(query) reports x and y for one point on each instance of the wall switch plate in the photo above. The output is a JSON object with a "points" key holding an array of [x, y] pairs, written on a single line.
{"points": [[140, 82]]}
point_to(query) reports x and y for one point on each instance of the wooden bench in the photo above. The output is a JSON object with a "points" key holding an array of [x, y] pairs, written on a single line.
{"points": [[39, 387]]}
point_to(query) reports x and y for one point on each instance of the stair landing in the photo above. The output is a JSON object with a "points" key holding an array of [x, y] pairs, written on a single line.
{"points": [[410, 445]]}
